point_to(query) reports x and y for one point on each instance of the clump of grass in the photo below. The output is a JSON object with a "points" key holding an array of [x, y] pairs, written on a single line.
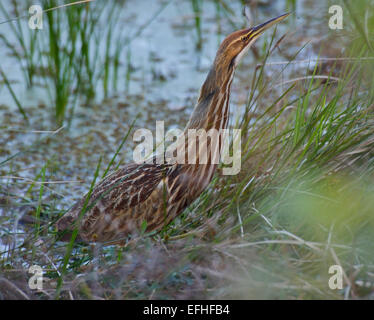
{"points": [[69, 54], [77, 59]]}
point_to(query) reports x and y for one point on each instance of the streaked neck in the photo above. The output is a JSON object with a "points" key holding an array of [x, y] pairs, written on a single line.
{"points": [[212, 108]]}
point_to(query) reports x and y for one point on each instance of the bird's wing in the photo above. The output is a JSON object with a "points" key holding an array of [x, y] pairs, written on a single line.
{"points": [[121, 190]]}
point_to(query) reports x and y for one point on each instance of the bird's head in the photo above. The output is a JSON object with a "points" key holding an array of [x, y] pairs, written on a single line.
{"points": [[228, 56], [237, 43]]}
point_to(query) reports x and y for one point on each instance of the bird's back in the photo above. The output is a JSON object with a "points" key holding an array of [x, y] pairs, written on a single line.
{"points": [[118, 204]]}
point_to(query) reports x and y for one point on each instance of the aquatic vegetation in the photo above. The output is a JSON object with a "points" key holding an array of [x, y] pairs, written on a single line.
{"points": [[74, 53]]}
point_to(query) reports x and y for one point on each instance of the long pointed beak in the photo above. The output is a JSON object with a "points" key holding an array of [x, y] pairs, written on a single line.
{"points": [[257, 30]]}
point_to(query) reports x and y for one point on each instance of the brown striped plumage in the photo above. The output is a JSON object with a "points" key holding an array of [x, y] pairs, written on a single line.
{"points": [[156, 193]]}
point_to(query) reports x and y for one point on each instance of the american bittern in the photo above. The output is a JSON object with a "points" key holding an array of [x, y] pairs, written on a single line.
{"points": [[153, 194]]}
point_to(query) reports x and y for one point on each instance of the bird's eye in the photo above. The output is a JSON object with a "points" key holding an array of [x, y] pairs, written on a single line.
{"points": [[244, 38]]}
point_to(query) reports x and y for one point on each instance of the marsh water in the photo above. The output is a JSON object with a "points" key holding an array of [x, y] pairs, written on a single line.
{"points": [[160, 73]]}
